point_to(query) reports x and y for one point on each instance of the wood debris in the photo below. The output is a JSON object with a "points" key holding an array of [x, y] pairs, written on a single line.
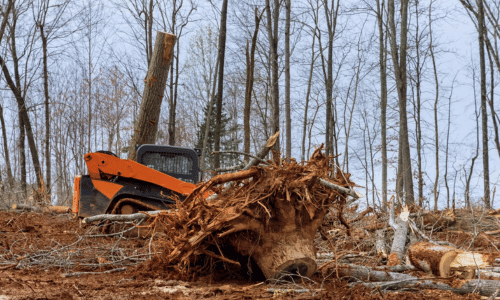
{"points": [[270, 214]]}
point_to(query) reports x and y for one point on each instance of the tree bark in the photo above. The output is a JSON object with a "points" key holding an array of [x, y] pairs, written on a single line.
{"points": [[147, 122]]}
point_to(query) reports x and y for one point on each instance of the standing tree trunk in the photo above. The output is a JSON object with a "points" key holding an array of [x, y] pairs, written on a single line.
{"points": [[272, 31], [47, 111], [220, 85], [288, 8], [172, 103], [383, 100], [436, 99], [250, 57], [399, 62], [146, 125], [418, 106], [484, 113], [10, 178], [308, 94], [15, 87], [22, 154]]}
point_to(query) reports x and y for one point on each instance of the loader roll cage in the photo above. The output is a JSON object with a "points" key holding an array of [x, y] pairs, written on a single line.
{"points": [[178, 162]]}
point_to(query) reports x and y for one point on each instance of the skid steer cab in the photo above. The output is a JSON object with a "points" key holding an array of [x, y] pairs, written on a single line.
{"points": [[123, 186]]}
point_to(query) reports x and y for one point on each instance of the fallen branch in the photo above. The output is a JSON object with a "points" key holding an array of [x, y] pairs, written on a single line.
{"points": [[367, 274], [355, 195], [53, 209], [494, 295], [400, 226], [132, 217], [254, 161], [66, 275], [424, 236], [480, 286]]}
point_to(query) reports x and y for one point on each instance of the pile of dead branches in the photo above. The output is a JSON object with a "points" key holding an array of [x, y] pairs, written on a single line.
{"points": [[260, 206]]}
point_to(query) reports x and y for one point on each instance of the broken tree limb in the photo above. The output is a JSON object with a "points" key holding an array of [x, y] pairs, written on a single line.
{"points": [[343, 190], [480, 286], [255, 160], [424, 236], [380, 243], [66, 275], [263, 152], [132, 217], [400, 226], [366, 274], [53, 209], [146, 125]]}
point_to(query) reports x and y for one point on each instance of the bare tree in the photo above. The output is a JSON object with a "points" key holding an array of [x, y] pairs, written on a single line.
{"points": [[383, 98], [288, 121], [484, 113], [399, 63], [220, 84], [436, 99], [250, 60], [272, 32], [20, 90], [46, 34]]}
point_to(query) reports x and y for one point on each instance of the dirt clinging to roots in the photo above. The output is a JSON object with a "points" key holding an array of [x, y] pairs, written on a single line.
{"points": [[265, 200]]}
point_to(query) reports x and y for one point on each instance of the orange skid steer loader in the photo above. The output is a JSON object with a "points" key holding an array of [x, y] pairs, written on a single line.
{"points": [[123, 186]]}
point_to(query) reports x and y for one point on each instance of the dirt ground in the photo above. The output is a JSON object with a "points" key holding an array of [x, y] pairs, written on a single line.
{"points": [[44, 256]]}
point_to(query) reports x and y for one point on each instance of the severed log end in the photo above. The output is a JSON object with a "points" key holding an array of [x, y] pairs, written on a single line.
{"points": [[445, 263], [443, 260], [430, 258]]}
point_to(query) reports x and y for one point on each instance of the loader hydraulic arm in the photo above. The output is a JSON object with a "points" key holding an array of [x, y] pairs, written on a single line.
{"points": [[102, 166]]}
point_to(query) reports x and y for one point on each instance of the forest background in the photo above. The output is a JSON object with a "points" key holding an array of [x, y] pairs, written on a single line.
{"points": [[401, 92]]}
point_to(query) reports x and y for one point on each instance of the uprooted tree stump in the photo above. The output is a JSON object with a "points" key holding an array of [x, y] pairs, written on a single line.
{"points": [[270, 214]]}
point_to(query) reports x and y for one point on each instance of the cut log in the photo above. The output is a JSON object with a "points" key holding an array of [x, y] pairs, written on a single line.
{"points": [[380, 243], [442, 260], [435, 259], [400, 226], [53, 209], [472, 260]]}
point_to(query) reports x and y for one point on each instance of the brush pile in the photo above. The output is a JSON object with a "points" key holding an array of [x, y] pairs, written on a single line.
{"points": [[270, 213]]}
